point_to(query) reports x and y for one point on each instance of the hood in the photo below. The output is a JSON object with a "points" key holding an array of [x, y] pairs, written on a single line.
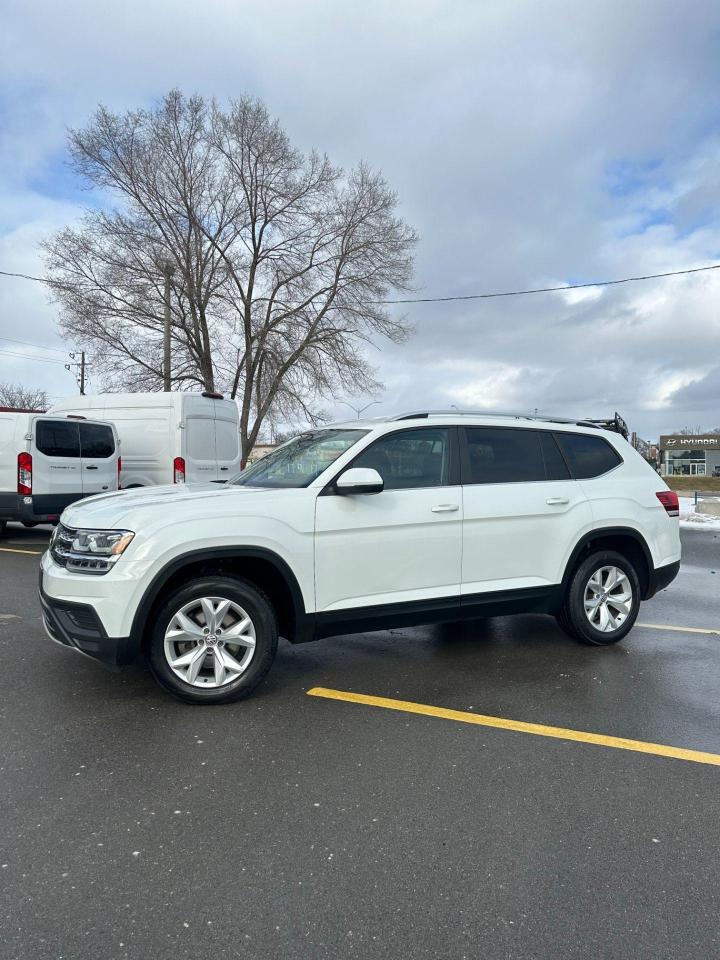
{"points": [[170, 501]]}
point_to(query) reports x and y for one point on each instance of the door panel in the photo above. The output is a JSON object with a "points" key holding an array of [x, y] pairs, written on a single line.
{"points": [[98, 458], [390, 547], [200, 459], [523, 513], [399, 546], [514, 538], [227, 448], [56, 461]]}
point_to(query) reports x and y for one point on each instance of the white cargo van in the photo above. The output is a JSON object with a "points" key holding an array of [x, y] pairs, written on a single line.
{"points": [[48, 461], [168, 437]]}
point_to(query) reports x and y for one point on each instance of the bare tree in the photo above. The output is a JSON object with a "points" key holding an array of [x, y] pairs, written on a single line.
{"points": [[22, 398], [280, 260]]}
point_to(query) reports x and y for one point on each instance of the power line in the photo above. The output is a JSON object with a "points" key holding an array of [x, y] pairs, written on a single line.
{"points": [[569, 286], [26, 356], [39, 346], [474, 296]]}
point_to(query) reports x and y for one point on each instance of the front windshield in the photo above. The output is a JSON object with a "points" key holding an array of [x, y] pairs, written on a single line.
{"points": [[298, 462]]}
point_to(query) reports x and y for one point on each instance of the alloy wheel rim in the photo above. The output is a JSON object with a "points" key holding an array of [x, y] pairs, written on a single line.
{"points": [[209, 642], [608, 599]]}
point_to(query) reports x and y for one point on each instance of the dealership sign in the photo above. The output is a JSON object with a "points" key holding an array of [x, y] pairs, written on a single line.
{"points": [[689, 442]]}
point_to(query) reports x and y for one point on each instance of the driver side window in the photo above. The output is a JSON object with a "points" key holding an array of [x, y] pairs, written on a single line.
{"points": [[410, 459]]}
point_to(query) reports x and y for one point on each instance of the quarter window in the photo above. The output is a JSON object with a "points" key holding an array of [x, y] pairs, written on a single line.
{"points": [[410, 459], [587, 456], [555, 466], [57, 438], [499, 455], [96, 441]]}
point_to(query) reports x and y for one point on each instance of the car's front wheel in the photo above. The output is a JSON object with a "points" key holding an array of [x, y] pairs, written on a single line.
{"points": [[213, 640], [603, 599]]}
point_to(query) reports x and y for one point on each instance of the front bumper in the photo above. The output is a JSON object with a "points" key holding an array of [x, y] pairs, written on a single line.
{"points": [[77, 626]]}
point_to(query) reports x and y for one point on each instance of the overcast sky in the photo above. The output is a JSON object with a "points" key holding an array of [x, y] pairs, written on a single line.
{"points": [[530, 143]]}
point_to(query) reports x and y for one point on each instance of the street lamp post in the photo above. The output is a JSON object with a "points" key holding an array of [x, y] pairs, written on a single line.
{"points": [[358, 410]]}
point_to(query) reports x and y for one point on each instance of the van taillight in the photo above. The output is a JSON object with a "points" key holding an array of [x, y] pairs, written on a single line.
{"points": [[119, 469], [669, 499], [178, 470], [24, 484]]}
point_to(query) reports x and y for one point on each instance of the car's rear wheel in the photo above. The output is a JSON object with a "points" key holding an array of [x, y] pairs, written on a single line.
{"points": [[213, 640], [3, 527], [603, 599]]}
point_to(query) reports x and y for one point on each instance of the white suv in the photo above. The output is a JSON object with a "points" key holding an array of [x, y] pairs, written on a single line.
{"points": [[362, 526]]}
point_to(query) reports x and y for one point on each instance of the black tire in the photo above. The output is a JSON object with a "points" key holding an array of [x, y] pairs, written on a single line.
{"points": [[564, 624], [574, 620], [258, 608], [3, 527]]}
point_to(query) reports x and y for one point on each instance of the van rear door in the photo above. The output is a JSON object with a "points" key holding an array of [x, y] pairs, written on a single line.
{"points": [[227, 448], [99, 453], [200, 460], [56, 474]]}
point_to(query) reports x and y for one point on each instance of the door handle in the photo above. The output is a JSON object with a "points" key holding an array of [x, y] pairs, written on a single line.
{"points": [[224, 468], [445, 508], [92, 466], [557, 501]]}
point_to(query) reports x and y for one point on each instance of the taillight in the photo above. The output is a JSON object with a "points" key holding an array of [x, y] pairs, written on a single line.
{"points": [[178, 470], [24, 478], [669, 499], [119, 469]]}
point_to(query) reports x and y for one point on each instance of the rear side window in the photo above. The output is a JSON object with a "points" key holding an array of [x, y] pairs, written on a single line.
{"points": [[57, 438], [498, 455], [96, 440], [587, 456]]}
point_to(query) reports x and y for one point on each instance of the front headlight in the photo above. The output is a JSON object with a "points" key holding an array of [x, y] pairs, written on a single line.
{"points": [[102, 543], [88, 551]]}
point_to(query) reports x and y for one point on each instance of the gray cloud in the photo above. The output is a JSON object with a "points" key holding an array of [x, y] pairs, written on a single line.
{"points": [[529, 144]]}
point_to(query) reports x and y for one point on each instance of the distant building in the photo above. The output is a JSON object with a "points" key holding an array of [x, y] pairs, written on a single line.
{"points": [[260, 450], [684, 455]]}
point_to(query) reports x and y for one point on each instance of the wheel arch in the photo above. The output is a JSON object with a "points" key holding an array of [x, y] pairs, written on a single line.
{"points": [[260, 566], [624, 540]]}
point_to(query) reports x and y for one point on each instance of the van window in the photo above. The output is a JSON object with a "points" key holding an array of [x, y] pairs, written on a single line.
{"points": [[96, 440], [587, 456], [200, 438], [499, 455], [227, 439], [57, 438]]}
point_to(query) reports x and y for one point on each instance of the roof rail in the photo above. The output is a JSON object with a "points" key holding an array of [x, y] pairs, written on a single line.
{"points": [[510, 415], [616, 423]]}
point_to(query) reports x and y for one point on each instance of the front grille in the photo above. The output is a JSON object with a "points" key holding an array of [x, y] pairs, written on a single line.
{"points": [[61, 544]]}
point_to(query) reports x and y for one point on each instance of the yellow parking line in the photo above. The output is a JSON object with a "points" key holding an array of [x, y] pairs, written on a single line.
{"points": [[665, 626], [539, 729], [33, 553]]}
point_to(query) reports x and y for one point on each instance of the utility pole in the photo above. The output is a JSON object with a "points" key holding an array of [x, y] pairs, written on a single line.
{"points": [[168, 271], [79, 370]]}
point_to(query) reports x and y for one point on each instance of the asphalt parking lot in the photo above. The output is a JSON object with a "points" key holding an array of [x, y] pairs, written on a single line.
{"points": [[298, 826]]}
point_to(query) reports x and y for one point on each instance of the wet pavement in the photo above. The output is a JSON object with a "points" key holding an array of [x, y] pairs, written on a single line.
{"points": [[295, 827]]}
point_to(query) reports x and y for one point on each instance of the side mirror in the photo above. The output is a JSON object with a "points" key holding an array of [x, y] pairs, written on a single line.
{"points": [[359, 480]]}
